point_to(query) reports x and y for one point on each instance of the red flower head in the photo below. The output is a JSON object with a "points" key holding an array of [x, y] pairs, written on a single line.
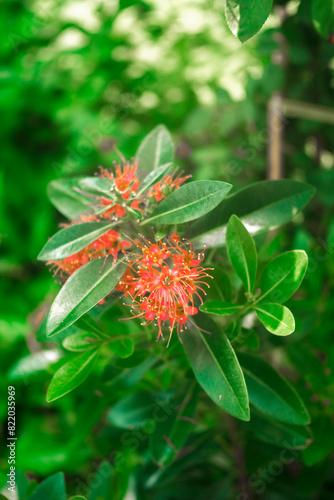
{"points": [[164, 280], [108, 244], [166, 185], [125, 178]]}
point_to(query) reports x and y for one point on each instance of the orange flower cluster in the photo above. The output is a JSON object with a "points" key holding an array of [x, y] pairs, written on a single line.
{"points": [[163, 282], [108, 244], [124, 187]]}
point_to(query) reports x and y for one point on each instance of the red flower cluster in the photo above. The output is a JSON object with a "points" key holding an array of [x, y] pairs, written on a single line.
{"points": [[163, 282], [162, 188], [108, 244]]}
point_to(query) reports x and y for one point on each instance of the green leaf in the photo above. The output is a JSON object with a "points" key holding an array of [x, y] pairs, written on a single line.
{"points": [[98, 186], [72, 239], [323, 17], [69, 202], [33, 363], [246, 17], [216, 366], [85, 288], [283, 276], [219, 307], [100, 487], [270, 393], [279, 434], [81, 341], [323, 443], [189, 202], [123, 347], [137, 409], [52, 488], [71, 374], [220, 286], [277, 319], [153, 177], [242, 252], [173, 429], [261, 207], [156, 149]]}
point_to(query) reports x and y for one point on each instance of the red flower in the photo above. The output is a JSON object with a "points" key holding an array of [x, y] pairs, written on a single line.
{"points": [[164, 280]]}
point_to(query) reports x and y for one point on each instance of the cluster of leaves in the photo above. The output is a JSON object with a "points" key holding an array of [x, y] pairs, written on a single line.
{"points": [[60, 102]]}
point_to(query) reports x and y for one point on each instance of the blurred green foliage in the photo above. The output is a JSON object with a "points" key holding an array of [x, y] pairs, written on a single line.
{"points": [[78, 77]]}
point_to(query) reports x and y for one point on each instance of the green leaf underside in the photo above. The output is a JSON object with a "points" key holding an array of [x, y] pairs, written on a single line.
{"points": [[52, 488], [242, 252], [154, 177], [246, 17], [261, 207], [82, 291], [71, 374], [282, 276], [323, 17], [270, 393], [72, 239], [189, 202], [156, 149], [99, 186], [219, 307], [277, 319], [216, 366], [67, 201]]}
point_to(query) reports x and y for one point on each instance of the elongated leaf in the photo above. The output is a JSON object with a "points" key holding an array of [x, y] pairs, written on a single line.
{"points": [[81, 341], [283, 276], [220, 286], [270, 393], [276, 318], [52, 488], [71, 374], [154, 177], [72, 239], [65, 199], [33, 363], [216, 366], [219, 307], [242, 252], [85, 288], [156, 149], [246, 17], [279, 434], [261, 207], [323, 17], [189, 202], [173, 429]]}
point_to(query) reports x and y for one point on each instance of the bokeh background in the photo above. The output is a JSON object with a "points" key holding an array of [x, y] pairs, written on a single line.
{"points": [[79, 76]]}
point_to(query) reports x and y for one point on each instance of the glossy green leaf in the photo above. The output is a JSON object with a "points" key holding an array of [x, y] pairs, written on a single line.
{"points": [[246, 17], [123, 347], [261, 207], [216, 366], [33, 363], [277, 319], [77, 498], [85, 288], [72, 239], [242, 252], [68, 201], [248, 338], [154, 177], [270, 393], [283, 275], [189, 202], [71, 374], [323, 17], [232, 331], [323, 442], [81, 341], [219, 307], [173, 429], [156, 149], [52, 488]]}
